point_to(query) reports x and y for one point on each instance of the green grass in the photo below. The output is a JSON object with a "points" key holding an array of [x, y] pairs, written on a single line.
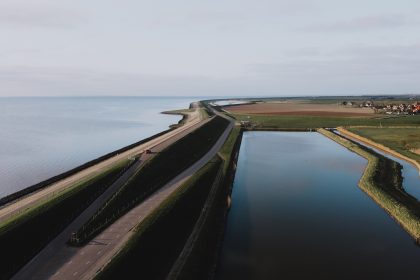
{"points": [[203, 257], [203, 113], [382, 181], [402, 140], [25, 235], [291, 122], [159, 239], [227, 148], [177, 216], [154, 174]]}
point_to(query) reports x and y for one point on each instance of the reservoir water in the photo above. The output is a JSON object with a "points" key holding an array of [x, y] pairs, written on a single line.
{"points": [[297, 213], [42, 137]]}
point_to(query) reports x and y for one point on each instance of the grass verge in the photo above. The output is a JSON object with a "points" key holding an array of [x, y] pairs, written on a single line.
{"points": [[200, 256], [24, 236], [154, 174], [158, 240]]}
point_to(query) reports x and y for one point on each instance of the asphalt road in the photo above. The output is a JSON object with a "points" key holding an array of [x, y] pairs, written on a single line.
{"points": [[59, 261], [25, 203]]}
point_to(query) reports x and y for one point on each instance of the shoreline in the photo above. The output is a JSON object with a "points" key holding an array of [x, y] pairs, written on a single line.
{"points": [[403, 215], [55, 185]]}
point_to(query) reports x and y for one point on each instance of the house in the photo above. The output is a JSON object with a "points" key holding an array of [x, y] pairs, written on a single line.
{"points": [[245, 123], [416, 108], [368, 104]]}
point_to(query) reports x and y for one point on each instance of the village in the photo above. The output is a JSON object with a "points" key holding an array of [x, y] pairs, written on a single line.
{"points": [[389, 109]]}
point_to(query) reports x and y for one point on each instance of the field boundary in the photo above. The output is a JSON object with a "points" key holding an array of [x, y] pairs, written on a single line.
{"points": [[378, 146]]}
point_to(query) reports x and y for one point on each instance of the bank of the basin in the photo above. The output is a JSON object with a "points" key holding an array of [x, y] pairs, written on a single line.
{"points": [[297, 213]]}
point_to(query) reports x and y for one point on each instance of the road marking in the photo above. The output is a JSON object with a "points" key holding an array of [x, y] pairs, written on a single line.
{"points": [[99, 253], [70, 262], [88, 262], [74, 274]]}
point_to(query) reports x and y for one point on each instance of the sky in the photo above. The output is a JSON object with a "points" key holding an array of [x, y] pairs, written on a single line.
{"points": [[209, 48]]}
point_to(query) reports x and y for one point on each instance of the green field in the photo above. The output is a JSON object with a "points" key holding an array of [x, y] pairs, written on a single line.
{"points": [[275, 121], [403, 140]]}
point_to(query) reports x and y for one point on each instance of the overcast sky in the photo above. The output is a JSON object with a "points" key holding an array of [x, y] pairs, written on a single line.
{"points": [[223, 48]]}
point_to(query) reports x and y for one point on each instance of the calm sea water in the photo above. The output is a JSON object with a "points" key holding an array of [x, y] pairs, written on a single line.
{"points": [[297, 213], [42, 137]]}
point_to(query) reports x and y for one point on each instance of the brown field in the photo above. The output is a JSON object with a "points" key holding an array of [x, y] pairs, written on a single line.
{"points": [[294, 108]]}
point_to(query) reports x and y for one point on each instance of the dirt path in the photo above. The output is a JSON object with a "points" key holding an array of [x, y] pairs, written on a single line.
{"points": [[378, 146], [58, 261], [55, 189]]}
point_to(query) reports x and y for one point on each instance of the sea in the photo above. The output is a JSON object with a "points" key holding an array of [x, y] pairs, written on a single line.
{"points": [[41, 137]]}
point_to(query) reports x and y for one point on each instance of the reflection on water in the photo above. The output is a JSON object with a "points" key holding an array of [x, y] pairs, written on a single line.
{"points": [[297, 213]]}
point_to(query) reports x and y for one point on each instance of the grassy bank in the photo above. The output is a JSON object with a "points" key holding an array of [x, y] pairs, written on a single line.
{"points": [[382, 181], [197, 211], [200, 258], [294, 122], [25, 235], [405, 141], [154, 174], [159, 239]]}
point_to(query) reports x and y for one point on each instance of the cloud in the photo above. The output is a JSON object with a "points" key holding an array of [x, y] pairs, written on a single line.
{"points": [[360, 61], [363, 23], [42, 14], [46, 81]]}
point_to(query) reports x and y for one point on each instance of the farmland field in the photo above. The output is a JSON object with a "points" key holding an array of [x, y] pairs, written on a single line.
{"points": [[293, 108], [403, 140], [290, 122]]}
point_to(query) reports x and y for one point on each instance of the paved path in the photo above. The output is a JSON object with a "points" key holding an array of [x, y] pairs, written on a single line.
{"points": [[49, 254], [55, 189]]}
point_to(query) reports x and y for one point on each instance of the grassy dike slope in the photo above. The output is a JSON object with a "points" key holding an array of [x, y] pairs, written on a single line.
{"points": [[163, 236], [200, 255], [382, 181], [25, 235], [154, 174], [159, 239]]}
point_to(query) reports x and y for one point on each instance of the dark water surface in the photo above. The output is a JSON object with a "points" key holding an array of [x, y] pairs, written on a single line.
{"points": [[41, 136], [297, 213]]}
